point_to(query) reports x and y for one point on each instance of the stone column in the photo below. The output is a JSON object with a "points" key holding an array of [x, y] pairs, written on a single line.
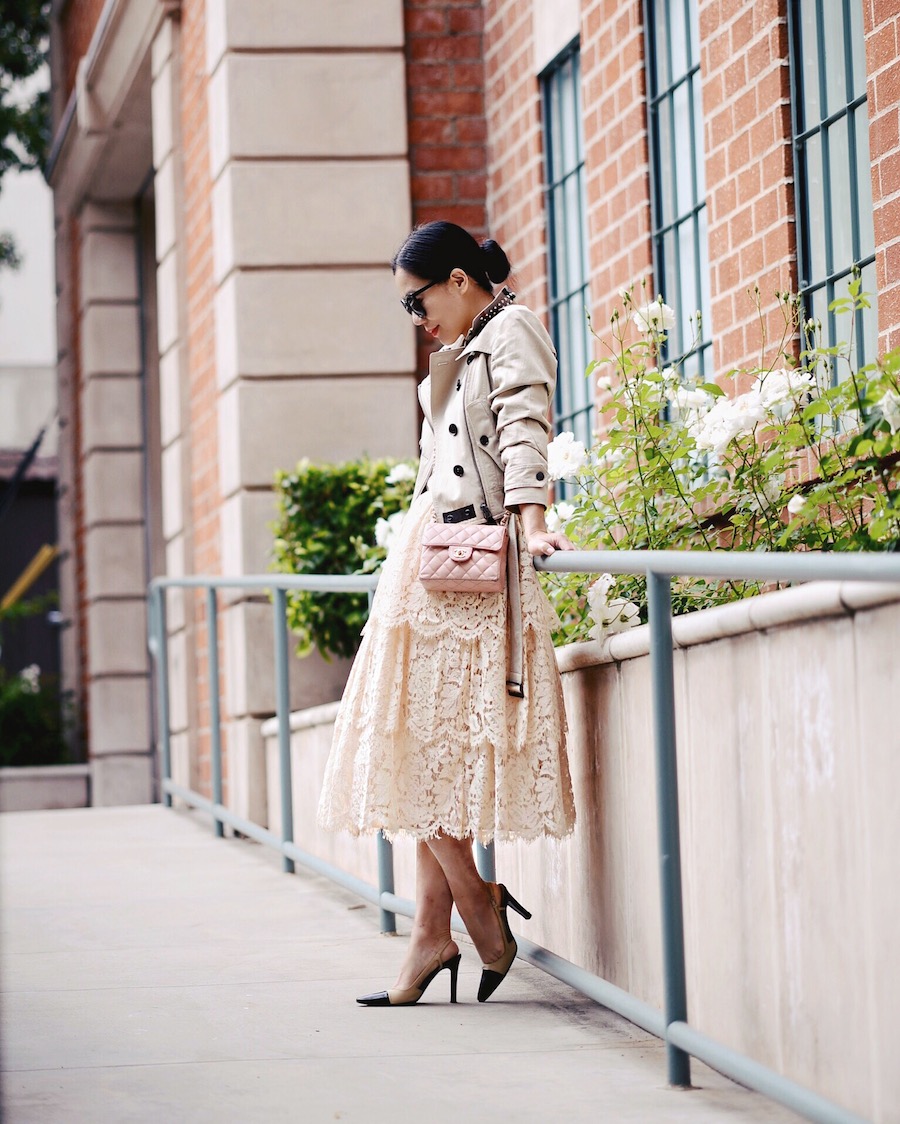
{"points": [[173, 394], [111, 450], [308, 151]]}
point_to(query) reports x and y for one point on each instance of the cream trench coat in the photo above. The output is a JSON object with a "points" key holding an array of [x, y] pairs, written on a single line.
{"points": [[484, 438], [486, 423]]}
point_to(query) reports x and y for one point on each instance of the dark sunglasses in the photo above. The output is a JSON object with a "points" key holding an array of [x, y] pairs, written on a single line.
{"points": [[413, 305]]}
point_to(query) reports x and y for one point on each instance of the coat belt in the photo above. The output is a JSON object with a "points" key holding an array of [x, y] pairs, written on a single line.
{"points": [[515, 632]]}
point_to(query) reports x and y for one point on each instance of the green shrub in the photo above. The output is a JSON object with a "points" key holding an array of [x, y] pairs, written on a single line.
{"points": [[31, 720], [336, 519]]}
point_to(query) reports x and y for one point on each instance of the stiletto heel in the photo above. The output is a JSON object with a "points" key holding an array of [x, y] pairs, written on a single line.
{"points": [[513, 904], [492, 975], [406, 997]]}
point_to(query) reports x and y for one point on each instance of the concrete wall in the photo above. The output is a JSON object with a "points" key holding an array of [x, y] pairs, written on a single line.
{"points": [[790, 819]]}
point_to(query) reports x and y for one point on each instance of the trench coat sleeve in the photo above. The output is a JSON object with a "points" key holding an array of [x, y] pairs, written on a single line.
{"points": [[426, 458], [523, 374]]}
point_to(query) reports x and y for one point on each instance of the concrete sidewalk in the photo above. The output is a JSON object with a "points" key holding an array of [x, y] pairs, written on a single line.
{"points": [[153, 973]]}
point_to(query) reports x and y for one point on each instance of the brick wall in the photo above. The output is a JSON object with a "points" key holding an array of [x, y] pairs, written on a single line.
{"points": [[882, 25], [616, 153], [749, 174], [202, 518], [515, 146], [77, 25], [445, 115]]}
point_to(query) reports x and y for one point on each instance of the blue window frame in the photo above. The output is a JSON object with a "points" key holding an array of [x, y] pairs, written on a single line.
{"points": [[835, 228], [678, 178], [567, 243]]}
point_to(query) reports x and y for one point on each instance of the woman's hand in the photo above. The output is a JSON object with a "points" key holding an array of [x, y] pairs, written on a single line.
{"points": [[541, 542]]}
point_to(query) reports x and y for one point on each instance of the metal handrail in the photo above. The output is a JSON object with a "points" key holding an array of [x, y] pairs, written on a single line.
{"points": [[660, 566]]}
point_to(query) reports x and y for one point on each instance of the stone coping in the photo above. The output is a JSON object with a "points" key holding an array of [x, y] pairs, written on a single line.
{"points": [[303, 719], [752, 614], [46, 772], [781, 607]]}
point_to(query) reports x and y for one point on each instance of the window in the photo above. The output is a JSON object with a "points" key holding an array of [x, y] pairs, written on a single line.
{"points": [[567, 244], [835, 230], [677, 177]]}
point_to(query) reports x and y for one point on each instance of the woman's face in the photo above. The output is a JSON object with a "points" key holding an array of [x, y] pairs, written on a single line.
{"points": [[447, 304]]}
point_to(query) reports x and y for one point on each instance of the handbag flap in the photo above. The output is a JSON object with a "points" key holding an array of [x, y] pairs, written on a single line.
{"points": [[479, 536]]}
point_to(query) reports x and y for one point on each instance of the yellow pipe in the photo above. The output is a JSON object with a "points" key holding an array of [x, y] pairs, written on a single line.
{"points": [[29, 575]]}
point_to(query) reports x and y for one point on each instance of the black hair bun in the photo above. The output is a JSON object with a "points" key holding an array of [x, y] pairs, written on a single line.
{"points": [[496, 263]]}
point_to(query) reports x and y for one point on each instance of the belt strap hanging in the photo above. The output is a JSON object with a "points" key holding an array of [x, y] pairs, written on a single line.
{"points": [[515, 639]]}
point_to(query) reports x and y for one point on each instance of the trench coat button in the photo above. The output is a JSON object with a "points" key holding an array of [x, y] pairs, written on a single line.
{"points": [[483, 439], [454, 429], [472, 357], [540, 476], [458, 469], [458, 384]]}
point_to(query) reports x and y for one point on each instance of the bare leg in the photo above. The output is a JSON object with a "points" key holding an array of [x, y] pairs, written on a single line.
{"points": [[471, 894], [431, 924]]}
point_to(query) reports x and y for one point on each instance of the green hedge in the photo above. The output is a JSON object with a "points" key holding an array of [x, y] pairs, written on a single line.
{"points": [[326, 525]]}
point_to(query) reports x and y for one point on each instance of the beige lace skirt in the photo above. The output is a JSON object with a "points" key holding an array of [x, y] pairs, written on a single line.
{"points": [[427, 739]]}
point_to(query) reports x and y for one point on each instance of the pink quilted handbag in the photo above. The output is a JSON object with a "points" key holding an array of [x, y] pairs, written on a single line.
{"points": [[464, 557]]}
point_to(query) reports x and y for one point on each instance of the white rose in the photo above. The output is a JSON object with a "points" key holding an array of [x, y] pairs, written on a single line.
{"points": [[654, 317], [728, 418], [783, 385], [771, 492], [689, 398], [597, 593], [612, 616], [890, 409], [387, 530], [796, 504], [31, 678], [604, 382], [566, 457], [401, 473], [558, 515], [622, 615]]}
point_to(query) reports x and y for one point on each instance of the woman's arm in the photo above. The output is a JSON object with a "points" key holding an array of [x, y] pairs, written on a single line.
{"points": [[541, 542]]}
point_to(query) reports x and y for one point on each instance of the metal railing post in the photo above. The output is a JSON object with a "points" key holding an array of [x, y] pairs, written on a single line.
{"points": [[484, 860], [659, 597], [283, 711], [386, 880], [215, 717], [162, 668]]}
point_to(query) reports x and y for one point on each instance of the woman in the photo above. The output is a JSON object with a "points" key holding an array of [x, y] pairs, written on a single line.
{"points": [[452, 725]]}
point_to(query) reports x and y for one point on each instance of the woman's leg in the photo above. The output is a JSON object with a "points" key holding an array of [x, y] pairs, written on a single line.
{"points": [[431, 924], [471, 893]]}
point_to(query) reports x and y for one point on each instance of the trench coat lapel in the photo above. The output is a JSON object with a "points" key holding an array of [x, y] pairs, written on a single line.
{"points": [[443, 371]]}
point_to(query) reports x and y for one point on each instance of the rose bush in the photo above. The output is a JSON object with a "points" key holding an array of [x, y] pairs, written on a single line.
{"points": [[799, 455]]}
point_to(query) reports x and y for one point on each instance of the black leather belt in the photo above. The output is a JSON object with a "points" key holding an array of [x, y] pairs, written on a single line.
{"points": [[460, 515]]}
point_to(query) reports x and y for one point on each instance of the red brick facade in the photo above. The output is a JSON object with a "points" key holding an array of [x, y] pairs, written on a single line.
{"points": [[746, 86], [515, 147], [202, 520], [77, 24], [882, 24], [616, 160], [445, 117], [749, 173]]}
